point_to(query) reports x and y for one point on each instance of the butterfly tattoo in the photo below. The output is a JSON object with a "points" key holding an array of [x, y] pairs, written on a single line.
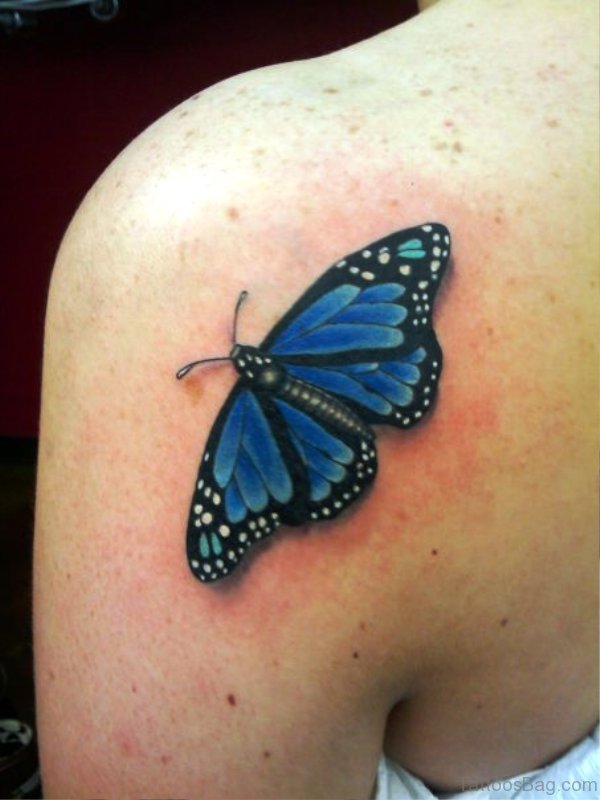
{"points": [[293, 442]]}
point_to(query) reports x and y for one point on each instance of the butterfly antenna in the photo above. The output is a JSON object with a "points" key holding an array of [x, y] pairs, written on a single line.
{"points": [[238, 305], [181, 373]]}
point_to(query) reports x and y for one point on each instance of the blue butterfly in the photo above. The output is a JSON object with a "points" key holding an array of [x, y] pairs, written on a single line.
{"points": [[293, 443]]}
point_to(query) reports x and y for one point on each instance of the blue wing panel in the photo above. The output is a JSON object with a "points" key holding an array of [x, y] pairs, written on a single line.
{"points": [[346, 319], [373, 313], [310, 431], [324, 454], [249, 482], [320, 311], [382, 293], [260, 444], [339, 337], [229, 443], [388, 386], [248, 462], [234, 504]]}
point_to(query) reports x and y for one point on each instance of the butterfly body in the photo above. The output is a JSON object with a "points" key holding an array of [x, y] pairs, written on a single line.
{"points": [[293, 442], [267, 374]]}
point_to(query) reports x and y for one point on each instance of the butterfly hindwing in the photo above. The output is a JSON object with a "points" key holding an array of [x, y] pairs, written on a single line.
{"points": [[267, 463], [397, 392]]}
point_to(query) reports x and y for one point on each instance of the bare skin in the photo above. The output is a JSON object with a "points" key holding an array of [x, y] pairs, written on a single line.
{"points": [[450, 617]]}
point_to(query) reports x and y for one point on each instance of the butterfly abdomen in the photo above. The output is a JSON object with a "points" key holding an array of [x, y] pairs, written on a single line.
{"points": [[323, 406]]}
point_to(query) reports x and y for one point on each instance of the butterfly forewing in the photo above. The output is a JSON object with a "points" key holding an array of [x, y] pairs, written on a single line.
{"points": [[375, 304]]}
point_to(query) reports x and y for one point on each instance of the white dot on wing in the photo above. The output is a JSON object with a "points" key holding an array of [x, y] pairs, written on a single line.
{"points": [[207, 517]]}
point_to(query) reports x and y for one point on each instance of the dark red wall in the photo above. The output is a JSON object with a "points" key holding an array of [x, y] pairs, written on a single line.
{"points": [[74, 92]]}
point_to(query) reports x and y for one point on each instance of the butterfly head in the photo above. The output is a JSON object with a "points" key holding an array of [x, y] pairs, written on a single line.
{"points": [[261, 370]]}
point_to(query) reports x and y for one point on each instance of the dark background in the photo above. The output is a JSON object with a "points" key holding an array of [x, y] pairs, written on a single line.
{"points": [[73, 93]]}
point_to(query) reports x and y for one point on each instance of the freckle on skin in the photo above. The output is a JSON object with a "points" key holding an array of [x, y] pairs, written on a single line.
{"points": [[362, 626], [353, 128], [552, 122], [134, 688], [457, 147], [425, 92], [330, 90], [434, 552], [231, 699], [355, 654], [504, 622], [479, 705], [165, 759], [233, 213], [266, 754]]}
